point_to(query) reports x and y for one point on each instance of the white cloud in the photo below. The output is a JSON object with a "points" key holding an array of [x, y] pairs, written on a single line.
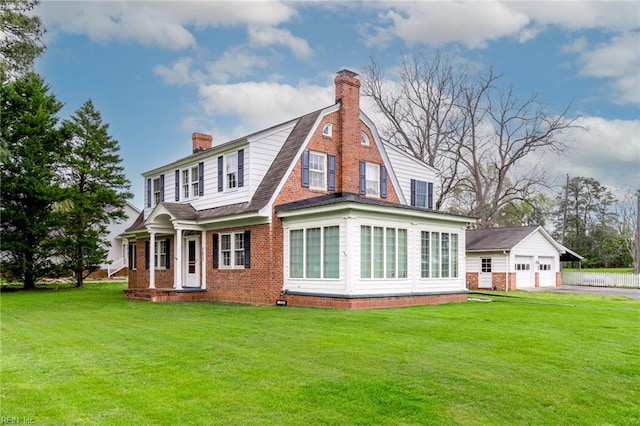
{"points": [[618, 60], [265, 36], [609, 151], [179, 72], [163, 24], [236, 62], [262, 104], [577, 15], [470, 23]]}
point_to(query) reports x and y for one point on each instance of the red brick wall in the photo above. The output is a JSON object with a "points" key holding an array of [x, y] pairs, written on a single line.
{"points": [[472, 280], [139, 277], [258, 284]]}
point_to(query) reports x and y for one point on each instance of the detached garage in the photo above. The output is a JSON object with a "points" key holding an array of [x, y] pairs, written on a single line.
{"points": [[512, 258]]}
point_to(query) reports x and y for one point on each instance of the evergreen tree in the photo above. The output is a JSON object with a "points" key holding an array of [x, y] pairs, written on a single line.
{"points": [[96, 191], [30, 185], [21, 41]]}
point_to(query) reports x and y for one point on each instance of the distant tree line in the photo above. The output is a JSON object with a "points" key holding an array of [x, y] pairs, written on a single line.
{"points": [[62, 181]]}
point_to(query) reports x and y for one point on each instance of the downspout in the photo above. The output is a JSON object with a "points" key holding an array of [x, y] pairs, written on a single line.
{"points": [[507, 278]]}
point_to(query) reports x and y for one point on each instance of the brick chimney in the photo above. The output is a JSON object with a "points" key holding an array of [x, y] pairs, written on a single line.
{"points": [[348, 95], [201, 142]]}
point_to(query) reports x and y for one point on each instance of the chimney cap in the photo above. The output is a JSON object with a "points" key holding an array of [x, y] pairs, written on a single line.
{"points": [[347, 73]]}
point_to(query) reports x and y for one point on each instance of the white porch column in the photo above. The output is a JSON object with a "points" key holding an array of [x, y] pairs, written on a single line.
{"points": [[349, 255], [177, 260], [203, 259], [152, 260]]}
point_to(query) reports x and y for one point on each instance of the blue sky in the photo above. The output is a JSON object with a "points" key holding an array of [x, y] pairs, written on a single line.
{"points": [[159, 71]]}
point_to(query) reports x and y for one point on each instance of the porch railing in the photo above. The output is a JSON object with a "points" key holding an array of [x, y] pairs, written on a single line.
{"points": [[115, 266], [601, 279]]}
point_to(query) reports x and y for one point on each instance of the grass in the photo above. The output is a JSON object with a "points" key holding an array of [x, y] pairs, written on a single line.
{"points": [[91, 357]]}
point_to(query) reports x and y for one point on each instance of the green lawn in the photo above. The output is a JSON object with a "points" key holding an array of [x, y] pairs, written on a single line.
{"points": [[91, 357]]}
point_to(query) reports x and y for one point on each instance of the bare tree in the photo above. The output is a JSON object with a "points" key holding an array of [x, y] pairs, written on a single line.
{"points": [[475, 132]]}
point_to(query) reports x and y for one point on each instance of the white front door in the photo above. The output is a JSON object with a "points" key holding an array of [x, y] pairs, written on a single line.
{"points": [[485, 278], [191, 266]]}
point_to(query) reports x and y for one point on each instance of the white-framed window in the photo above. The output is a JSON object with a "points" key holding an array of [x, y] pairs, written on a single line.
{"points": [[485, 264], [232, 250], [364, 139], [185, 184], [327, 130], [160, 259], [191, 182], [372, 180], [383, 252], [314, 252], [156, 191], [439, 255], [231, 170], [544, 267], [317, 170], [523, 267]]}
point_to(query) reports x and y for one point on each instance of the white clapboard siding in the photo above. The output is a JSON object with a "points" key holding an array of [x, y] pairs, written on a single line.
{"points": [[407, 167]]}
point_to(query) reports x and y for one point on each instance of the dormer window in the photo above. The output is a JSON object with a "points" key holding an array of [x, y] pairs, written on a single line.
{"points": [[327, 130], [364, 139]]}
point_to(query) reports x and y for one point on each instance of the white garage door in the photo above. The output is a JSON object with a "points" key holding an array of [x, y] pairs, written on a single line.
{"points": [[524, 272], [546, 272]]}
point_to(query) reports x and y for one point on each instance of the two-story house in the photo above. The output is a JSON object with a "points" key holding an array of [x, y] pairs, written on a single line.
{"points": [[315, 211]]}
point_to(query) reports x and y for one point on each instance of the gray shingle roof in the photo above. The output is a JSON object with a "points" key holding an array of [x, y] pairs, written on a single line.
{"points": [[497, 238]]}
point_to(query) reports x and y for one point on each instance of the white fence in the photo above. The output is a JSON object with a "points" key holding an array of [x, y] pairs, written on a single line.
{"points": [[601, 279]]}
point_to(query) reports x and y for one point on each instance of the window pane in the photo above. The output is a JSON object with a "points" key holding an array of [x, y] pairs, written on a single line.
{"points": [[454, 255], [435, 254], [424, 255], [313, 245], [373, 179], [185, 183], [445, 255], [296, 251], [317, 167], [238, 243], [391, 253], [194, 182], [225, 248], [365, 252], [378, 252], [421, 194], [232, 170], [331, 251], [402, 253]]}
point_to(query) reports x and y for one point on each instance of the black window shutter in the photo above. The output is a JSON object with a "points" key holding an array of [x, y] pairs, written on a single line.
{"points": [[413, 192], [331, 177], [430, 195], [149, 192], [167, 263], [177, 185], [363, 177], [247, 249], [305, 169], [130, 256], [383, 181], [220, 182], [201, 178], [161, 188], [146, 254], [241, 168], [215, 251]]}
